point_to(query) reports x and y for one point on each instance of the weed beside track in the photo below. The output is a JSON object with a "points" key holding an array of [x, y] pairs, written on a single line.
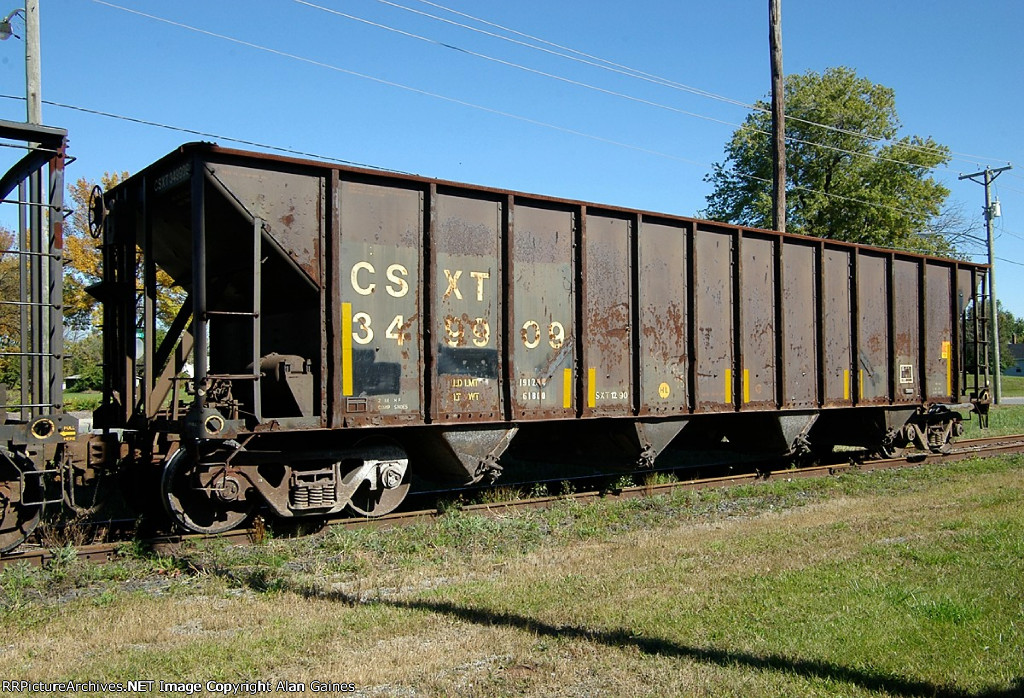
{"points": [[900, 582]]}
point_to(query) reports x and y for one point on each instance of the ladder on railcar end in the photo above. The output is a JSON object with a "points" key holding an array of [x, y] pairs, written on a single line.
{"points": [[975, 330], [203, 314], [142, 383], [33, 336]]}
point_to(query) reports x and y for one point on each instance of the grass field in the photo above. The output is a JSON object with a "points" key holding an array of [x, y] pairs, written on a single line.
{"points": [[1003, 420], [1012, 386], [84, 401], [906, 583]]}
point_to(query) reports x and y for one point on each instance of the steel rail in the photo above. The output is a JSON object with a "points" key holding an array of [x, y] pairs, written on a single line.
{"points": [[37, 555]]}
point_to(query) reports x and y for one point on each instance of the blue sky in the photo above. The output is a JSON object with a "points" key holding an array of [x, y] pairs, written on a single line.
{"points": [[299, 75]]}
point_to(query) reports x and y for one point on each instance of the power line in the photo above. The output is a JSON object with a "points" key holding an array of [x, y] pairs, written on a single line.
{"points": [[521, 67], [398, 85], [1003, 231], [640, 100], [194, 132], [290, 151], [510, 64], [797, 187], [206, 134], [458, 102], [596, 61], [580, 57]]}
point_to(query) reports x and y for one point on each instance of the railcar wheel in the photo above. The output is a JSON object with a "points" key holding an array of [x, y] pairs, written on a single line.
{"points": [[17, 519], [385, 487], [207, 499], [371, 503], [894, 443]]}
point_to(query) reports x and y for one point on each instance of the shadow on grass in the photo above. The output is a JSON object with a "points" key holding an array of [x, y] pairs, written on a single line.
{"points": [[867, 679], [870, 680]]}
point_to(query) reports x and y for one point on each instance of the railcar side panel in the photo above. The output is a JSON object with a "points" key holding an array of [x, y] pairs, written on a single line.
{"points": [[713, 305], [663, 341], [712, 318], [940, 368], [264, 276], [466, 308], [967, 281], [873, 290], [758, 333], [837, 332], [800, 322], [607, 341], [542, 328], [379, 312], [293, 213], [907, 309]]}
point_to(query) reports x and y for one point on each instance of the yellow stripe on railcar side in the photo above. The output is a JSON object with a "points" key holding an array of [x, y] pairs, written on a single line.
{"points": [[846, 384], [746, 385], [728, 386], [591, 387], [567, 388], [947, 354], [346, 349]]}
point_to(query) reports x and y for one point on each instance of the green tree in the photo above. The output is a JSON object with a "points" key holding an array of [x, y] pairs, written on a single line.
{"points": [[1011, 329], [851, 180], [83, 255], [84, 359], [1011, 326], [10, 315], [83, 259]]}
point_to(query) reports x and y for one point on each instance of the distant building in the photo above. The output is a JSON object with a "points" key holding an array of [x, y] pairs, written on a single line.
{"points": [[1017, 352]]}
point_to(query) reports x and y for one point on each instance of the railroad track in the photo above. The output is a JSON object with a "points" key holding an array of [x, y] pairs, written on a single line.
{"points": [[35, 554]]}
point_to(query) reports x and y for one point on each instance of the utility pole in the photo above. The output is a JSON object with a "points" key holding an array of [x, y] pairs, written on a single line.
{"points": [[778, 117], [33, 71], [39, 276], [39, 240], [989, 175]]}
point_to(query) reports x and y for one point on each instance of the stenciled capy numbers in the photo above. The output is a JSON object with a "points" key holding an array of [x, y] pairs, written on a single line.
{"points": [[396, 285], [458, 330]]}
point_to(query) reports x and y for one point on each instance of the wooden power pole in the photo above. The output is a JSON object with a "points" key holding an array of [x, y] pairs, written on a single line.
{"points": [[778, 117], [992, 211]]}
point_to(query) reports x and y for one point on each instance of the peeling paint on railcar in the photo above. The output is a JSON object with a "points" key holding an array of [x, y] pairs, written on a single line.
{"points": [[906, 329], [607, 290], [542, 302], [293, 212], [662, 316], [758, 316], [466, 306], [837, 331], [713, 300], [380, 284], [874, 289], [799, 312]]}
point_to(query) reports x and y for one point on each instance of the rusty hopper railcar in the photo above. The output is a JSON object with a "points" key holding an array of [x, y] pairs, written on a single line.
{"points": [[349, 328]]}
